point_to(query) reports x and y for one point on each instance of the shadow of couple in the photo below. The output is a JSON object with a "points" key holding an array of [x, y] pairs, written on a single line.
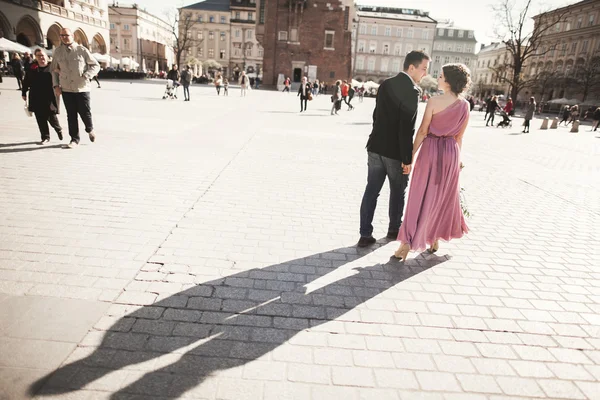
{"points": [[228, 322]]}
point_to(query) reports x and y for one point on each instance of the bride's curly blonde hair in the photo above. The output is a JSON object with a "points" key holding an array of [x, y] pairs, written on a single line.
{"points": [[458, 76]]}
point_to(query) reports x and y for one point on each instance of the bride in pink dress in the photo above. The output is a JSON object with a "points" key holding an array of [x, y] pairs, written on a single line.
{"points": [[433, 210]]}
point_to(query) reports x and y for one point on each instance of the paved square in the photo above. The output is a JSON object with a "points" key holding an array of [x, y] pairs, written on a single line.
{"points": [[218, 235]]}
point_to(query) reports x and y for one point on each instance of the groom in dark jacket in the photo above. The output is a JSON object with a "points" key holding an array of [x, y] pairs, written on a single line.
{"points": [[390, 144]]}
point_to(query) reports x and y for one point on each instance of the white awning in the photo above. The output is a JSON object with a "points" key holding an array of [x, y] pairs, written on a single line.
{"points": [[7, 45]]}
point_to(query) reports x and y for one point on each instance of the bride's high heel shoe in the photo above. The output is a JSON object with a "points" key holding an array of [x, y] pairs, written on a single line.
{"points": [[402, 252], [434, 247]]}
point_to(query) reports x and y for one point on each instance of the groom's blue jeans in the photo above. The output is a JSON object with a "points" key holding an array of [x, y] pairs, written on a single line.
{"points": [[379, 168]]}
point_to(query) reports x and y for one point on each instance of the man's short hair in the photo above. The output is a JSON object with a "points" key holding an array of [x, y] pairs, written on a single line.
{"points": [[415, 58], [38, 50]]}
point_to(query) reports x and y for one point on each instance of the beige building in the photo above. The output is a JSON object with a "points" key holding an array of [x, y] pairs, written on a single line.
{"points": [[211, 32], [246, 52], [566, 48], [452, 44], [33, 22], [486, 81], [385, 36], [141, 37]]}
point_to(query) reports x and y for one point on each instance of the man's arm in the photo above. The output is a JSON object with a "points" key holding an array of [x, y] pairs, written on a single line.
{"points": [[379, 91], [92, 65], [55, 69], [409, 103]]}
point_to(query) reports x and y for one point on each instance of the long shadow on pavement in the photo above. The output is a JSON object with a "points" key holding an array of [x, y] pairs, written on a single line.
{"points": [[23, 150], [16, 144], [229, 322]]}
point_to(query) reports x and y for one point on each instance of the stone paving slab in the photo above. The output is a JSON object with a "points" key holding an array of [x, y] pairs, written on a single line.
{"points": [[221, 232]]}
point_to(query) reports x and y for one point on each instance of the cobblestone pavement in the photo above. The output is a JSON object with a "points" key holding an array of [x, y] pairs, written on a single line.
{"points": [[220, 234]]}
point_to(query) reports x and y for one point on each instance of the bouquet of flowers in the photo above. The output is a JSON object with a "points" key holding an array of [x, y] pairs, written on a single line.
{"points": [[463, 199]]}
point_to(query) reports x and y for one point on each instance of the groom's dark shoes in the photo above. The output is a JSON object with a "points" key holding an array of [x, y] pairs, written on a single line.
{"points": [[365, 241]]}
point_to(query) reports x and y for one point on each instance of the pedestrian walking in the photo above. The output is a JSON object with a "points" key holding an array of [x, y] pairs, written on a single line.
{"points": [[73, 67], [336, 98], [186, 81], [492, 106], [486, 103], [574, 114], [218, 84], [471, 103], [345, 87], [390, 145], [566, 113], [596, 117], [433, 209], [509, 107], [351, 92], [531, 108], [18, 69], [305, 93], [95, 78], [286, 85], [243, 84], [42, 101], [175, 76], [225, 87]]}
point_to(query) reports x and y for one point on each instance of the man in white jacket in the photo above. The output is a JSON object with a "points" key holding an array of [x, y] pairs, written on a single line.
{"points": [[73, 67]]}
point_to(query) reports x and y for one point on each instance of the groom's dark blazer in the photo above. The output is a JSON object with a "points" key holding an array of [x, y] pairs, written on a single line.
{"points": [[394, 119]]}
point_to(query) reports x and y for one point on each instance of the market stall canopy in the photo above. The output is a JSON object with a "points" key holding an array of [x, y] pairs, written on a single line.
{"points": [[7, 45], [104, 58], [371, 85], [564, 101]]}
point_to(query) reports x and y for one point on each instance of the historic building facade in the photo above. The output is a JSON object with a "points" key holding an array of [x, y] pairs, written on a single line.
{"points": [[486, 80], [567, 50], [384, 36], [246, 52], [140, 36], [452, 44], [38, 22], [304, 38]]}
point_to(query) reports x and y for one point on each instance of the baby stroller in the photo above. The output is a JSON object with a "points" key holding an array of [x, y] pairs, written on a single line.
{"points": [[171, 90], [506, 121]]}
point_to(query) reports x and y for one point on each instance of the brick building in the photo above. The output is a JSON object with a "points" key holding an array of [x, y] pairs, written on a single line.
{"points": [[306, 38]]}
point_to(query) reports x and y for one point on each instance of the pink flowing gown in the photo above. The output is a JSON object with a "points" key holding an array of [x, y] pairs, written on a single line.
{"points": [[433, 210]]}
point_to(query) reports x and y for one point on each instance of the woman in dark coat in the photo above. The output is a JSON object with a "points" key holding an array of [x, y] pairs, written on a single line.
{"points": [[42, 101], [17, 67], [529, 115]]}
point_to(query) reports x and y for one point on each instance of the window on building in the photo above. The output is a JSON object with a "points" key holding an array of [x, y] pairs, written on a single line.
{"points": [[591, 20], [488, 63], [237, 33], [261, 51], [557, 27], [437, 46], [398, 32], [373, 47], [237, 49], [446, 59], [211, 53], [112, 40], [410, 33], [223, 20], [238, 15], [200, 19], [249, 34], [386, 49], [361, 46], [467, 61], [293, 35], [563, 50], [579, 22], [248, 50], [424, 48], [222, 36], [437, 59], [211, 35], [282, 35], [112, 26], [211, 19], [461, 33], [450, 32], [388, 31], [470, 35], [435, 73], [456, 59], [329, 40], [360, 63], [450, 47], [126, 44], [495, 62], [425, 34], [573, 47], [584, 45], [200, 35], [459, 48], [222, 54], [469, 50], [371, 64], [363, 29], [568, 26], [331, 74], [250, 16], [397, 49], [440, 32], [409, 48], [200, 51], [374, 30], [384, 65], [126, 27]]}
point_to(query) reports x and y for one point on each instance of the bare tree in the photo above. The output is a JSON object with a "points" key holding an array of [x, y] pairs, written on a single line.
{"points": [[546, 79], [181, 25], [522, 43], [587, 75]]}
